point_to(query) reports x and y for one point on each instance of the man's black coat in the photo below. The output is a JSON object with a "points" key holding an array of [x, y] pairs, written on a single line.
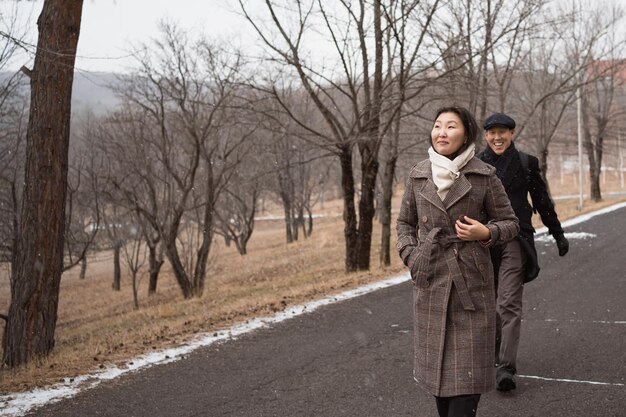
{"points": [[519, 183]]}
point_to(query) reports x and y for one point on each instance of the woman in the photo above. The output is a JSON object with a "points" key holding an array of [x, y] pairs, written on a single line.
{"points": [[454, 208]]}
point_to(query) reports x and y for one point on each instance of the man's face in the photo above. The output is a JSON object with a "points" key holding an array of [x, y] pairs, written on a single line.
{"points": [[499, 138]]}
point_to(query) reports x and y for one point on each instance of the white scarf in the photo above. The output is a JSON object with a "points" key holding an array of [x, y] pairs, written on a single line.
{"points": [[446, 171]]}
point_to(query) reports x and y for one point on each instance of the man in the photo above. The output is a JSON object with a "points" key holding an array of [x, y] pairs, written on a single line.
{"points": [[515, 263]]}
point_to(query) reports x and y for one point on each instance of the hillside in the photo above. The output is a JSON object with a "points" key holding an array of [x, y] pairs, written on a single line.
{"points": [[91, 91]]}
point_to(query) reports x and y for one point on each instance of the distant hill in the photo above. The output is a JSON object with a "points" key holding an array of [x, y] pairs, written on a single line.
{"points": [[91, 91]]}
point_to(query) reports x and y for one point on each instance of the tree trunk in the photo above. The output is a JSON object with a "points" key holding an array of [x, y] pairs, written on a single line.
{"points": [[349, 210], [482, 86], [294, 223], [135, 292], [83, 267], [207, 237], [385, 210], [596, 171], [36, 273], [309, 230], [117, 268], [171, 251], [287, 210], [369, 171], [594, 183], [369, 152], [155, 266], [241, 246], [301, 222]]}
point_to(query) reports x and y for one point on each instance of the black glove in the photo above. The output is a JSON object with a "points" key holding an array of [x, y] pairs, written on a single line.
{"points": [[562, 244]]}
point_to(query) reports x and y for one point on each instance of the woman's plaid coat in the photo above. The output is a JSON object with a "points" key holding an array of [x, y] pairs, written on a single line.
{"points": [[455, 312]]}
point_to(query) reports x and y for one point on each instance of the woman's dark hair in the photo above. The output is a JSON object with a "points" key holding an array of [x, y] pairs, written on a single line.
{"points": [[469, 124]]}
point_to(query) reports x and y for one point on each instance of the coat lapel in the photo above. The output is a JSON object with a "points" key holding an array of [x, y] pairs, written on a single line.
{"points": [[429, 191], [459, 189], [462, 186]]}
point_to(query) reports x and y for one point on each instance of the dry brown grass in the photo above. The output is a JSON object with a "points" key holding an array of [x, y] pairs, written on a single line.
{"points": [[97, 325]]}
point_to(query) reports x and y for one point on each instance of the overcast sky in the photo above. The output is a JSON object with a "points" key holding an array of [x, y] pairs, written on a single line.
{"points": [[110, 27]]}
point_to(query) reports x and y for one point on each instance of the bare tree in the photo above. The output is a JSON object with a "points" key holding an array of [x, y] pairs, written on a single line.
{"points": [[82, 212], [285, 181], [155, 252], [587, 34], [117, 151], [534, 66], [349, 101], [177, 104], [294, 167], [136, 185], [294, 184], [114, 224], [311, 172], [484, 31], [236, 210], [38, 261], [409, 73], [134, 258], [541, 94], [598, 109]]}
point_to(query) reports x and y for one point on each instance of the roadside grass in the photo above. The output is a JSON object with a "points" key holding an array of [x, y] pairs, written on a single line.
{"points": [[98, 326]]}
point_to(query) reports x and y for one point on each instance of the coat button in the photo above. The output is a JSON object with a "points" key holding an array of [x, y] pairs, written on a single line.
{"points": [[425, 219], [426, 284], [481, 267]]}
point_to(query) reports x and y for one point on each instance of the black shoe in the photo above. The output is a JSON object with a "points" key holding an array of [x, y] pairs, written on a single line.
{"points": [[505, 380]]}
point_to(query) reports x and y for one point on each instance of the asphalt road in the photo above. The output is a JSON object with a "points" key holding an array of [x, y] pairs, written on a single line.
{"points": [[354, 358]]}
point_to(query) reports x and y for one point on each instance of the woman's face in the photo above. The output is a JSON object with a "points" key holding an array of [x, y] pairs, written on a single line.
{"points": [[448, 134]]}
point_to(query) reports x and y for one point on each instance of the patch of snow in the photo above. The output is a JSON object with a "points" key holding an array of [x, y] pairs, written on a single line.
{"points": [[570, 236]]}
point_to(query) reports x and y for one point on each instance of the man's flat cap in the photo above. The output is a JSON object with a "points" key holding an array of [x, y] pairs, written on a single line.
{"points": [[499, 119]]}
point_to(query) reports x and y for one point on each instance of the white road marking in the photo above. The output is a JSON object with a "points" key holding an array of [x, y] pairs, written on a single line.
{"points": [[615, 384], [588, 321]]}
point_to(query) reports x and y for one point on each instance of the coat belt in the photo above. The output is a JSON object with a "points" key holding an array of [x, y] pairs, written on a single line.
{"points": [[435, 237]]}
